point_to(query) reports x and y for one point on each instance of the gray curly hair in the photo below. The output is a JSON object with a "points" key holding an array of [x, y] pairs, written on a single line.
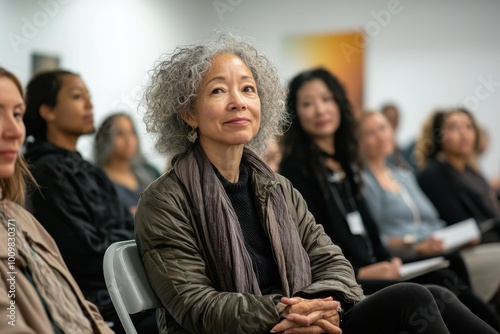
{"points": [[174, 83]]}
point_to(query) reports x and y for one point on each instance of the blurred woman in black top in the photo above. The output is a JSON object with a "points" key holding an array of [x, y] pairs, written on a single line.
{"points": [[445, 154], [76, 202]]}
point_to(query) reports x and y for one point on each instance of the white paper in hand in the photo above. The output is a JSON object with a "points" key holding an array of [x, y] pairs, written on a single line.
{"points": [[458, 235], [418, 268]]}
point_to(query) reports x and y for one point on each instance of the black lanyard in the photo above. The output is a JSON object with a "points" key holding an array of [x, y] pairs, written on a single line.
{"points": [[343, 211], [338, 200]]}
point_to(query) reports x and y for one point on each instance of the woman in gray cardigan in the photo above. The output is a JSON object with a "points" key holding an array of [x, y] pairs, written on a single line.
{"points": [[405, 217]]}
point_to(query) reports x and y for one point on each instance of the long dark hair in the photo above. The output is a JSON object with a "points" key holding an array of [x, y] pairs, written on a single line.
{"points": [[42, 90], [300, 145]]}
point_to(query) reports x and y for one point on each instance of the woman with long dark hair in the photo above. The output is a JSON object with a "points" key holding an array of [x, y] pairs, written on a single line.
{"points": [[321, 159]]}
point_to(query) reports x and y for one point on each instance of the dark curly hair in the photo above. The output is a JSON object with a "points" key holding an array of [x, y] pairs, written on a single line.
{"points": [[299, 144], [430, 142]]}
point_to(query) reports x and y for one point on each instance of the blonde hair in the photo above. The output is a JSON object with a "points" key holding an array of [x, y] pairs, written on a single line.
{"points": [[363, 116], [14, 186]]}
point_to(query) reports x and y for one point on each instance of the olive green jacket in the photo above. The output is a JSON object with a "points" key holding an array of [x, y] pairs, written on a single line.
{"points": [[182, 273]]}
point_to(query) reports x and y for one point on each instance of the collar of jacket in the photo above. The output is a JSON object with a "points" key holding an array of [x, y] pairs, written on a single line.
{"points": [[262, 186]]}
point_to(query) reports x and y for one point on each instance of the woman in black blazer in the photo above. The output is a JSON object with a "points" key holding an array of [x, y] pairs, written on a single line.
{"points": [[449, 176], [321, 160]]}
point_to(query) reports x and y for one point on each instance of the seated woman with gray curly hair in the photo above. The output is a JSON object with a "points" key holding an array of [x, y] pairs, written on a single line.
{"points": [[229, 246]]}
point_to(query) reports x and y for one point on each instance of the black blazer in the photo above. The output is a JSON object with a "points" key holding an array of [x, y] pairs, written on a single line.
{"points": [[78, 205], [324, 209], [452, 199], [455, 201]]}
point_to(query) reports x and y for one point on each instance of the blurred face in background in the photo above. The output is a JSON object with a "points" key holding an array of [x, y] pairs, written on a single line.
{"points": [[12, 129], [73, 113], [392, 115], [317, 110], [125, 139], [273, 155], [458, 135], [376, 137]]}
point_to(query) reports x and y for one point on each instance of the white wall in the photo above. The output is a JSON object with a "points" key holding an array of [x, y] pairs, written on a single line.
{"points": [[430, 54], [111, 43]]}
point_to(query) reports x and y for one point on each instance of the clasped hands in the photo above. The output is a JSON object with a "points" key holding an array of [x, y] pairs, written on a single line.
{"points": [[309, 316]]}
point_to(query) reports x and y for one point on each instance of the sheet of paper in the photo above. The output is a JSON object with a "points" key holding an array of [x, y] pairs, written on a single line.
{"points": [[418, 268], [458, 235]]}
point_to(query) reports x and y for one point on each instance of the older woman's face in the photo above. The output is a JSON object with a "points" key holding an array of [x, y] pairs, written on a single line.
{"points": [[11, 126], [376, 137], [317, 110], [227, 108]]}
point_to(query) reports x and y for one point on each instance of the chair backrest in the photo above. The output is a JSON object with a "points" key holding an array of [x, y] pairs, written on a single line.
{"points": [[127, 282]]}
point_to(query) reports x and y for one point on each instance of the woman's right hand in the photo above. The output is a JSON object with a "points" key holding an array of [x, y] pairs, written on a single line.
{"points": [[381, 270], [430, 246]]}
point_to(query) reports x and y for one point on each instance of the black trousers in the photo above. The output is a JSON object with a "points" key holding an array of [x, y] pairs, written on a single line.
{"points": [[409, 308], [450, 280]]}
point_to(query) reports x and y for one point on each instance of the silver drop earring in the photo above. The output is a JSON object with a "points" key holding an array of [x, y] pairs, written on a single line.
{"points": [[192, 135]]}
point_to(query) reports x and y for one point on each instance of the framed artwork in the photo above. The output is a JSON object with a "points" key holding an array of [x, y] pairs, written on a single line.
{"points": [[42, 62], [340, 53]]}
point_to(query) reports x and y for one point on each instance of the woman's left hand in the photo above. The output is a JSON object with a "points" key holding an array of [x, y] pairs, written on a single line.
{"points": [[309, 316]]}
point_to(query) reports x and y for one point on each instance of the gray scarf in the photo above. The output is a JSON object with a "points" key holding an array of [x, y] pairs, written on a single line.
{"points": [[223, 232]]}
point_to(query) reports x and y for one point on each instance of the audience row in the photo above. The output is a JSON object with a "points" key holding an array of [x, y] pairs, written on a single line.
{"points": [[228, 245], [322, 158], [74, 200]]}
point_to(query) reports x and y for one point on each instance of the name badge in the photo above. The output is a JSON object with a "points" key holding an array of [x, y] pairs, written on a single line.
{"points": [[355, 223]]}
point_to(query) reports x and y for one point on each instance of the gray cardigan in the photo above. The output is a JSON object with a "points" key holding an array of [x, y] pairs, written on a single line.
{"points": [[393, 215]]}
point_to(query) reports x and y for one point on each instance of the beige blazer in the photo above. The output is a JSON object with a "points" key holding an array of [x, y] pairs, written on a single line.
{"points": [[29, 312]]}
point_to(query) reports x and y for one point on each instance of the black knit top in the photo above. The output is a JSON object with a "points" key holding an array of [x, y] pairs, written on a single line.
{"points": [[256, 240]]}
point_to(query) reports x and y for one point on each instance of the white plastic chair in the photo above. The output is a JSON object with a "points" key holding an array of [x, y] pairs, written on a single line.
{"points": [[127, 282]]}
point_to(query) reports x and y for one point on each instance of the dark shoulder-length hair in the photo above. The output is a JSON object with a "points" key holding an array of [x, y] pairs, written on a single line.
{"points": [[300, 146], [42, 90], [14, 186]]}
